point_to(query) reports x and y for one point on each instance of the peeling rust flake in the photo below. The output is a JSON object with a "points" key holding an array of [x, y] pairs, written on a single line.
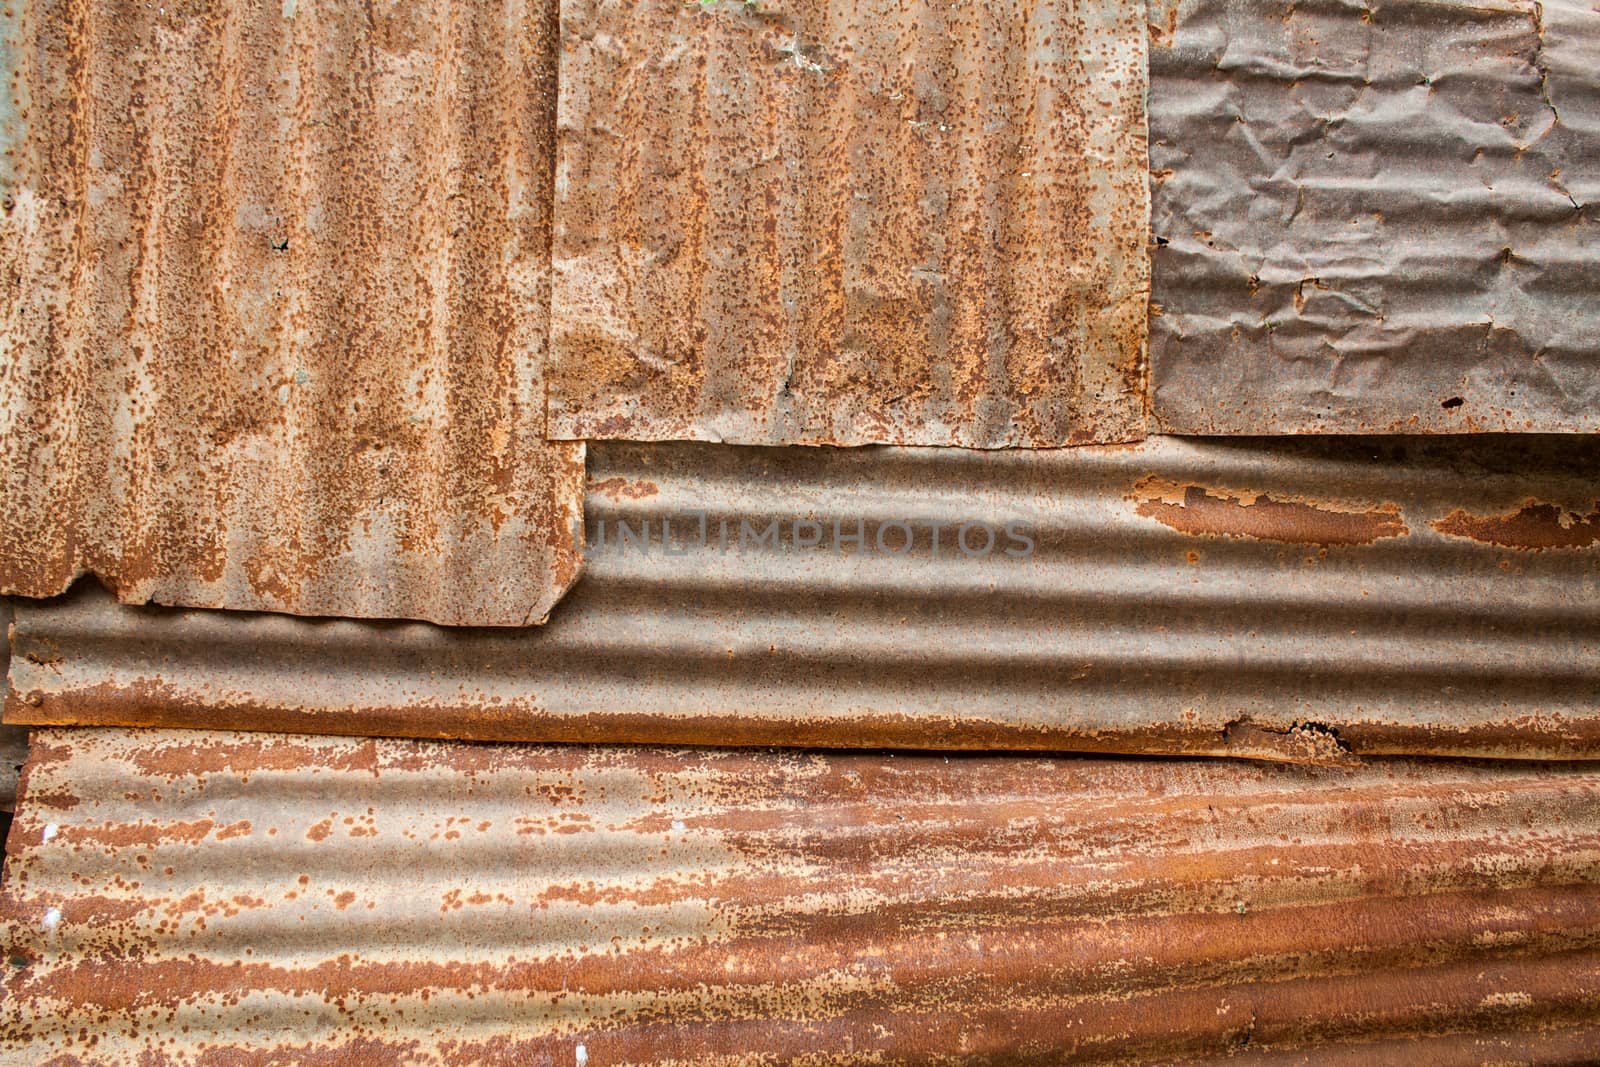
{"points": [[808, 222], [220, 899], [1193, 509], [274, 308], [1535, 527]]}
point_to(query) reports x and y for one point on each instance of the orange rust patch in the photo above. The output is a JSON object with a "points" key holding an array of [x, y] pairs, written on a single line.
{"points": [[618, 488], [1534, 528], [1201, 512]]}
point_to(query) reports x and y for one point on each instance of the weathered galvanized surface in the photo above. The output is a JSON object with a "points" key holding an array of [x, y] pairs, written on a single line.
{"points": [[1375, 217], [256, 899], [274, 308], [1198, 596], [851, 221]]}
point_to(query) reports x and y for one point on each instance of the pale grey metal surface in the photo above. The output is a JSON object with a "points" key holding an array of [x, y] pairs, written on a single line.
{"points": [[1375, 217], [1201, 596]]}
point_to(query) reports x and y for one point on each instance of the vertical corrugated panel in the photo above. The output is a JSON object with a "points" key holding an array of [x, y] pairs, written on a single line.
{"points": [[1375, 217], [275, 308], [247, 899], [851, 221]]}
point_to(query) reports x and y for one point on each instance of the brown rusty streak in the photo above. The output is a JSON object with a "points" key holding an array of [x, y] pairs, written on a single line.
{"points": [[155, 704], [1536, 527], [1203, 512]]}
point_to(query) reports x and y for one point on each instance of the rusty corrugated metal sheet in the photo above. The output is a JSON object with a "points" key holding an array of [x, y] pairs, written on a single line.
{"points": [[275, 306], [1291, 599], [791, 221], [255, 899], [13, 739], [1375, 217]]}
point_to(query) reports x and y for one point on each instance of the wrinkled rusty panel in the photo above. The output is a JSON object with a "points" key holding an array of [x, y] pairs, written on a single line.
{"points": [[1196, 596], [1375, 217], [274, 304], [851, 221], [185, 898]]}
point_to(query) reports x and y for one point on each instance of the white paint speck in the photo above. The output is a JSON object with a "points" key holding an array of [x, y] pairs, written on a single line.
{"points": [[677, 826], [52, 919], [288, 9], [50, 830], [581, 1054]]}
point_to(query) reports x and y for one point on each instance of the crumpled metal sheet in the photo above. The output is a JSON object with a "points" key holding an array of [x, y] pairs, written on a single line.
{"points": [[1375, 217], [274, 305], [843, 223], [177, 898], [1311, 600]]}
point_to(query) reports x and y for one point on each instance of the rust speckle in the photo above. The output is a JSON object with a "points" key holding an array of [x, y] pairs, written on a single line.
{"points": [[1203, 512], [275, 310], [919, 223], [1534, 527]]}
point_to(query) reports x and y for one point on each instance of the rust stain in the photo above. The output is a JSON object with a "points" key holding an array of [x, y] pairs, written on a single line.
{"points": [[618, 489], [1535, 527], [729, 906], [853, 223], [276, 309], [1203, 512]]}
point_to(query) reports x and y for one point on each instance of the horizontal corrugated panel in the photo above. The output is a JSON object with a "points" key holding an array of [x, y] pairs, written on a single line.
{"points": [[275, 303], [255, 899], [13, 739], [1375, 217], [851, 221], [1301, 599]]}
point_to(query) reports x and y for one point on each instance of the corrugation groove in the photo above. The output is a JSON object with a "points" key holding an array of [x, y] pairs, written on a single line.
{"points": [[1178, 600], [252, 898]]}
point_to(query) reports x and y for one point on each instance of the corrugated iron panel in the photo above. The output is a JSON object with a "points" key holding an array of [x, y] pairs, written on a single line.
{"points": [[177, 898], [1376, 216], [798, 221], [13, 739], [1296, 599], [274, 308]]}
